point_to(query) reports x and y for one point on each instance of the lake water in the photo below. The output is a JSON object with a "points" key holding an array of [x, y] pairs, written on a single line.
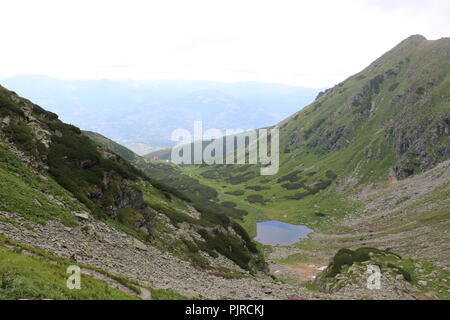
{"points": [[275, 232]]}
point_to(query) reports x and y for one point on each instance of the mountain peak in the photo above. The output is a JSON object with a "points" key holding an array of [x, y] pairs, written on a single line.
{"points": [[416, 37], [414, 40]]}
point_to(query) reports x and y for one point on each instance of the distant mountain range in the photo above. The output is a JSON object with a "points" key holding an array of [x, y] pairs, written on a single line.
{"points": [[142, 114]]}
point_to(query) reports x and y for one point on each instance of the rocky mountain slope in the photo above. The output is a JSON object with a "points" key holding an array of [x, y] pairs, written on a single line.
{"points": [[51, 173]]}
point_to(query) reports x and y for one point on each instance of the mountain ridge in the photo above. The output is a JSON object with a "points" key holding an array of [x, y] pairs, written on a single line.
{"points": [[365, 166], [132, 111]]}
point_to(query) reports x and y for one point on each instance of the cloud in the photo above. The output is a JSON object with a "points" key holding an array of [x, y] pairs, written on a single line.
{"points": [[412, 6], [309, 43]]}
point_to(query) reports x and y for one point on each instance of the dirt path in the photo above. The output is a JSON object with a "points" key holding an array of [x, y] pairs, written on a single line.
{"points": [[144, 295], [300, 271]]}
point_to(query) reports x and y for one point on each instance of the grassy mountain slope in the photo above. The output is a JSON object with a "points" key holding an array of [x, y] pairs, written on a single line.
{"points": [[392, 115], [383, 124], [173, 177], [106, 143], [51, 171], [203, 198], [364, 165], [26, 273]]}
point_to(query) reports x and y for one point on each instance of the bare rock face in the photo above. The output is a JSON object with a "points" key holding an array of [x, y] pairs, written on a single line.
{"points": [[420, 146], [83, 215]]}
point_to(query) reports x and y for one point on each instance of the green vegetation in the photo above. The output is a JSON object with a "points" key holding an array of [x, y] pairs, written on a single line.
{"points": [[235, 193], [108, 144], [244, 251], [77, 165], [24, 192], [73, 160], [348, 257], [89, 178], [230, 246], [256, 198], [165, 294], [356, 133], [411, 270], [25, 277]]}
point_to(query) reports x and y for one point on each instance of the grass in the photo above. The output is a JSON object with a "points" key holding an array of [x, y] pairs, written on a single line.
{"points": [[43, 276], [25, 277], [350, 131], [302, 211], [165, 294], [23, 192]]}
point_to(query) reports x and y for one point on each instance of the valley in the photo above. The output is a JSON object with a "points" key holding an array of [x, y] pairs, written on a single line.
{"points": [[363, 180]]}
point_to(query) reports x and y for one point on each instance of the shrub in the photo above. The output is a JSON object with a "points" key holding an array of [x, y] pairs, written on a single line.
{"points": [[129, 217], [318, 186], [394, 86], [298, 196], [244, 235], [292, 186], [229, 246], [348, 257], [257, 188], [228, 204], [313, 128], [320, 214], [235, 193], [291, 177], [420, 90], [242, 178], [330, 174], [256, 198]]}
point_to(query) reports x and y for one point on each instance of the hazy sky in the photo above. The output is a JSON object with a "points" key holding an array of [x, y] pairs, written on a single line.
{"points": [[310, 43]]}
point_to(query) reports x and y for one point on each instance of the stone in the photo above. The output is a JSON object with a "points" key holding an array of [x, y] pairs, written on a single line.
{"points": [[83, 215], [6, 121], [422, 283], [139, 245]]}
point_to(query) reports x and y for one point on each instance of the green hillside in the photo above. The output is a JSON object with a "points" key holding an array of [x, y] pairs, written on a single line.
{"points": [[51, 171], [386, 123]]}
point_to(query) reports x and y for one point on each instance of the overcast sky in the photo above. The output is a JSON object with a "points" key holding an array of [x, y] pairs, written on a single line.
{"points": [[309, 43]]}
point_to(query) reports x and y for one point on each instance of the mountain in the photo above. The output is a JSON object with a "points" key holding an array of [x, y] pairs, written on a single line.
{"points": [[366, 164], [66, 200], [390, 119], [172, 176], [143, 114]]}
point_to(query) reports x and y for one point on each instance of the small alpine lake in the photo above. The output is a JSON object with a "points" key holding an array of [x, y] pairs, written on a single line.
{"points": [[275, 233]]}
